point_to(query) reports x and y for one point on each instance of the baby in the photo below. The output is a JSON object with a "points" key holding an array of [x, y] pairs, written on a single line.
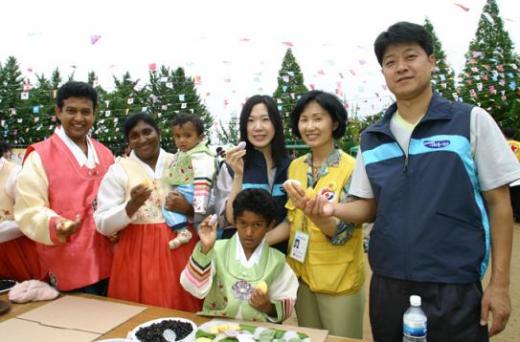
{"points": [[191, 173]]}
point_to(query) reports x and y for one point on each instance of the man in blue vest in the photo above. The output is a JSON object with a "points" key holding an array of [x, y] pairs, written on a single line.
{"points": [[433, 175]]}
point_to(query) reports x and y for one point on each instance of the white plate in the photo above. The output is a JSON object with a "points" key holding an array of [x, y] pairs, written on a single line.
{"points": [[191, 337], [7, 289], [208, 325]]}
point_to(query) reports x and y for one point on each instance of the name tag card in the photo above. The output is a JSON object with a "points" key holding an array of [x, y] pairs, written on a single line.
{"points": [[299, 246]]}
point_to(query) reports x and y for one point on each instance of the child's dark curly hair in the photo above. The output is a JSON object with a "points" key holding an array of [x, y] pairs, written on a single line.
{"points": [[258, 201]]}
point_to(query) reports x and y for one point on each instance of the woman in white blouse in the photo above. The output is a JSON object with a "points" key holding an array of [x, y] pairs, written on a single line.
{"points": [[130, 197]]}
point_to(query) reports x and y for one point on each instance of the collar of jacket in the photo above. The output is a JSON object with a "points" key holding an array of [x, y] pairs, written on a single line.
{"points": [[438, 109]]}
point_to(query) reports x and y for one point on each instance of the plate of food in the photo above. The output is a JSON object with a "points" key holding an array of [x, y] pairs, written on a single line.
{"points": [[4, 307], [164, 330], [226, 331], [6, 285]]}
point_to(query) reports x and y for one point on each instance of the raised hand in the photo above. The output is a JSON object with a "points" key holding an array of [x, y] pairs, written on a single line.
{"points": [[138, 195], [296, 193], [235, 158], [208, 233]]}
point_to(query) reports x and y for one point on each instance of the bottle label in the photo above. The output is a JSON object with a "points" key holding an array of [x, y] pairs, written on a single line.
{"points": [[414, 330]]}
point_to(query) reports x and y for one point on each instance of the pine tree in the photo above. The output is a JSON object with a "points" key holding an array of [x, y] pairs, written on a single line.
{"points": [[290, 88], [124, 100], [172, 92], [13, 110], [490, 78], [443, 77], [188, 100], [229, 134], [101, 107], [160, 103], [56, 83], [513, 118], [42, 105]]}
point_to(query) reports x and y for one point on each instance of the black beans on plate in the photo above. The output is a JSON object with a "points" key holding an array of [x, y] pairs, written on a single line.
{"points": [[154, 332], [6, 284]]}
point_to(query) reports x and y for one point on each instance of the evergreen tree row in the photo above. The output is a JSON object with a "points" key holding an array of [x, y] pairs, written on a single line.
{"points": [[27, 112], [490, 79]]}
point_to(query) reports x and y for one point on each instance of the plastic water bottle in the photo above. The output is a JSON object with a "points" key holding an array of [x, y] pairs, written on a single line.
{"points": [[414, 322]]}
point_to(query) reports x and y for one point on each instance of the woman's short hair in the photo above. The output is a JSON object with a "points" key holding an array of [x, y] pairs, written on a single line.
{"points": [[327, 101]]}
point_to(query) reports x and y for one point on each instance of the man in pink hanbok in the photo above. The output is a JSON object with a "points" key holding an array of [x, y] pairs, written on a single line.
{"points": [[56, 196]]}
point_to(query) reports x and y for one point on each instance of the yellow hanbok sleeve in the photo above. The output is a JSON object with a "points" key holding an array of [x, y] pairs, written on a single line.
{"points": [[31, 209]]}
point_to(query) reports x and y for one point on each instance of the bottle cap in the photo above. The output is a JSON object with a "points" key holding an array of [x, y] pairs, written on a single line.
{"points": [[415, 300]]}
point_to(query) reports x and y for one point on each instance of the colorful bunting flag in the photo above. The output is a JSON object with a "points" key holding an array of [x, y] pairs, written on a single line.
{"points": [[94, 38], [464, 8]]}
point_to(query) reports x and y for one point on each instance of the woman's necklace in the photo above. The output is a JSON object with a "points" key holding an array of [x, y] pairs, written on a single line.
{"points": [[315, 169]]}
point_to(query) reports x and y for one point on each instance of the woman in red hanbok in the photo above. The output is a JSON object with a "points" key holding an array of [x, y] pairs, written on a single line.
{"points": [[144, 269], [18, 257]]}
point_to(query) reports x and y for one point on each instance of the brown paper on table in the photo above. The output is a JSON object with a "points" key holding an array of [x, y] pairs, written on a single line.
{"points": [[315, 335], [19, 330], [90, 315]]}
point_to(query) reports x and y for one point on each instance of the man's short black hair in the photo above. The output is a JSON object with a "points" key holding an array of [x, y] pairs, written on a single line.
{"points": [[403, 32], [327, 101], [258, 201], [76, 89], [183, 118]]}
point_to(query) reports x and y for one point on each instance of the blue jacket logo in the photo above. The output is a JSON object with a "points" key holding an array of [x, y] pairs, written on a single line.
{"points": [[436, 143]]}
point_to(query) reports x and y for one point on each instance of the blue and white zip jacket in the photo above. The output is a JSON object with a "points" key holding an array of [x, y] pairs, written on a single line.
{"points": [[431, 222]]}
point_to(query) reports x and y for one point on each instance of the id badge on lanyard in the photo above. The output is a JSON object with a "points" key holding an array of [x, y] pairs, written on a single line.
{"points": [[299, 246]]}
